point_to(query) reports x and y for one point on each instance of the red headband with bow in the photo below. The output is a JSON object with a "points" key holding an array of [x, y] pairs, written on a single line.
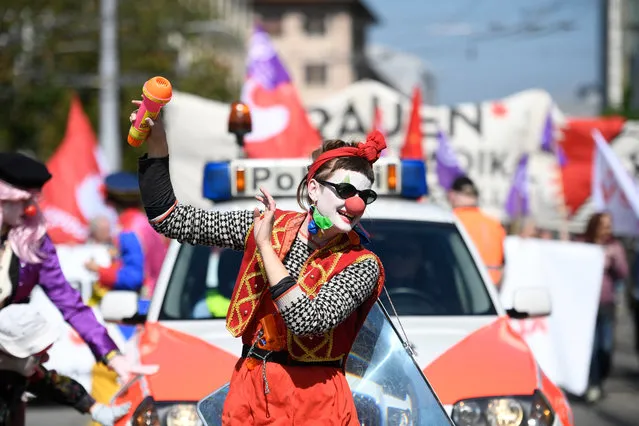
{"points": [[369, 150]]}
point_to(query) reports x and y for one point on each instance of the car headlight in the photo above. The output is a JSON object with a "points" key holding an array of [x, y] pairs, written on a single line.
{"points": [[146, 414], [182, 415], [504, 411], [399, 417]]}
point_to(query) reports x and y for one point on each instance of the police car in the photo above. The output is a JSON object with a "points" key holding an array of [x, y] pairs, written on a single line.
{"points": [[459, 335]]}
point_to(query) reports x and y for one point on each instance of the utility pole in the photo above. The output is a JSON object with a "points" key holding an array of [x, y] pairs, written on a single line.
{"points": [[613, 57], [109, 84]]}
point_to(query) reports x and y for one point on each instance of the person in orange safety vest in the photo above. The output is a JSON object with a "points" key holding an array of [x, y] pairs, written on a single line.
{"points": [[487, 233]]}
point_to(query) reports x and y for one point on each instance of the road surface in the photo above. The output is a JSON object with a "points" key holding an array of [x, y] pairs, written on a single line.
{"points": [[619, 408]]}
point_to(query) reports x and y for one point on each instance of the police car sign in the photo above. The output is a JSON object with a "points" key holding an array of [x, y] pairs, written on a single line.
{"points": [[243, 178], [280, 177]]}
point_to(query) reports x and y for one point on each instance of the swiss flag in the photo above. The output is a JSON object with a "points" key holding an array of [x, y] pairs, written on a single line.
{"points": [[412, 148], [75, 193]]}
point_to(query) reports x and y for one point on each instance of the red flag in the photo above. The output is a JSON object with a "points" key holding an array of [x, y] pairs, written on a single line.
{"points": [[579, 148], [412, 148], [74, 195], [281, 127]]}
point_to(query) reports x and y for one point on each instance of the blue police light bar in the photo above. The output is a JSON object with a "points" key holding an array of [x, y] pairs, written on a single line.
{"points": [[413, 179], [224, 181], [217, 181]]}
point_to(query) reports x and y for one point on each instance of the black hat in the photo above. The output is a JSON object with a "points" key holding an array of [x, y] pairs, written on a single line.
{"points": [[122, 187], [22, 171], [465, 185]]}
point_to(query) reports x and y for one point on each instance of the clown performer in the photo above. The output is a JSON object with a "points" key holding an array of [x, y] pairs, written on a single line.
{"points": [[25, 338], [305, 285], [35, 260]]}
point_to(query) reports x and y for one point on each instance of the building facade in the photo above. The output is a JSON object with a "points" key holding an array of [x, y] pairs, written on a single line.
{"points": [[321, 42]]}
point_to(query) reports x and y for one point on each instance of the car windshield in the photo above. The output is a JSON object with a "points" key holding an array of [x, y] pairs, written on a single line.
{"points": [[429, 272], [388, 387]]}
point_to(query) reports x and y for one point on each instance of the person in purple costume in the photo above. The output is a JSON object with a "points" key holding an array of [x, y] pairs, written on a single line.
{"points": [[35, 260]]}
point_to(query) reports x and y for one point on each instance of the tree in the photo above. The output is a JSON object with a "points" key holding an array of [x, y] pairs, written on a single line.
{"points": [[50, 49], [627, 109]]}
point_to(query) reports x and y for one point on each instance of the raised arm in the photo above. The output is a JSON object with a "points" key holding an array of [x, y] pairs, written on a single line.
{"points": [[184, 223]]}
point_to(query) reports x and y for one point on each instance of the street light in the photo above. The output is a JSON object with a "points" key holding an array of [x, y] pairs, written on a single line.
{"points": [[109, 84]]}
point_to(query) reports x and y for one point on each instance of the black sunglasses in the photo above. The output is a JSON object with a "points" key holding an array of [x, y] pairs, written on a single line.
{"points": [[346, 190]]}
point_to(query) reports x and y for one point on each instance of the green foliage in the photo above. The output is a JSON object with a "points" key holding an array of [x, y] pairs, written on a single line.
{"points": [[626, 109], [49, 50]]}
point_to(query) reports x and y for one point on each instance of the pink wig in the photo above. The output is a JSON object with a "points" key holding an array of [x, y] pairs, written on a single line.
{"points": [[26, 238]]}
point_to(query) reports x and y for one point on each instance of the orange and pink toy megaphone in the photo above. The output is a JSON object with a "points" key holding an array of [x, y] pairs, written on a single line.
{"points": [[156, 93]]}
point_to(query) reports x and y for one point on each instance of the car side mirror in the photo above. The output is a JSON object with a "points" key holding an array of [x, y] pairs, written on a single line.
{"points": [[531, 302], [118, 305]]}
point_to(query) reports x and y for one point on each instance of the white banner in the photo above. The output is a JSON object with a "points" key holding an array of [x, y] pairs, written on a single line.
{"points": [[488, 139], [613, 189], [572, 273]]}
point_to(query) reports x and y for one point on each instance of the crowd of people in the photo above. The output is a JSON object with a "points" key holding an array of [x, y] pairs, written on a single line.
{"points": [[302, 377], [620, 281]]}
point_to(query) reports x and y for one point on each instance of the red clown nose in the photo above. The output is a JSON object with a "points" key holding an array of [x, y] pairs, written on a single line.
{"points": [[355, 206], [30, 210]]}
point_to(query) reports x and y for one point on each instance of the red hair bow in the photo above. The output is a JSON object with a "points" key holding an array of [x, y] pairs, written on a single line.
{"points": [[373, 147], [369, 150]]}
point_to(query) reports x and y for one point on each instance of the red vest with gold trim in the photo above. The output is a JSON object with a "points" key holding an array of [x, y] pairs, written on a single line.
{"points": [[251, 300]]}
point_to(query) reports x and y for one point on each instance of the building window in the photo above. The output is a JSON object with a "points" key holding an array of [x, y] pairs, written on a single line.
{"points": [[316, 74], [272, 25], [315, 24]]}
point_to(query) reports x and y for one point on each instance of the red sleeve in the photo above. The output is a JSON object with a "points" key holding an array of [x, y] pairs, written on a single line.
{"points": [[108, 276]]}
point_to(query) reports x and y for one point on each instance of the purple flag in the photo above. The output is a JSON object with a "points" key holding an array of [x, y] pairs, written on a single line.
{"points": [[517, 201], [561, 156], [448, 168], [547, 136], [264, 65], [281, 126], [549, 144]]}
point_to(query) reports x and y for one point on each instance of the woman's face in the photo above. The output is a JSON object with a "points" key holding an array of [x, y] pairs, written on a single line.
{"points": [[13, 212], [604, 230], [329, 204]]}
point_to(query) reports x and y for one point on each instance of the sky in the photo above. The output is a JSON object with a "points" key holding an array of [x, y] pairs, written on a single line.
{"points": [[441, 33]]}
